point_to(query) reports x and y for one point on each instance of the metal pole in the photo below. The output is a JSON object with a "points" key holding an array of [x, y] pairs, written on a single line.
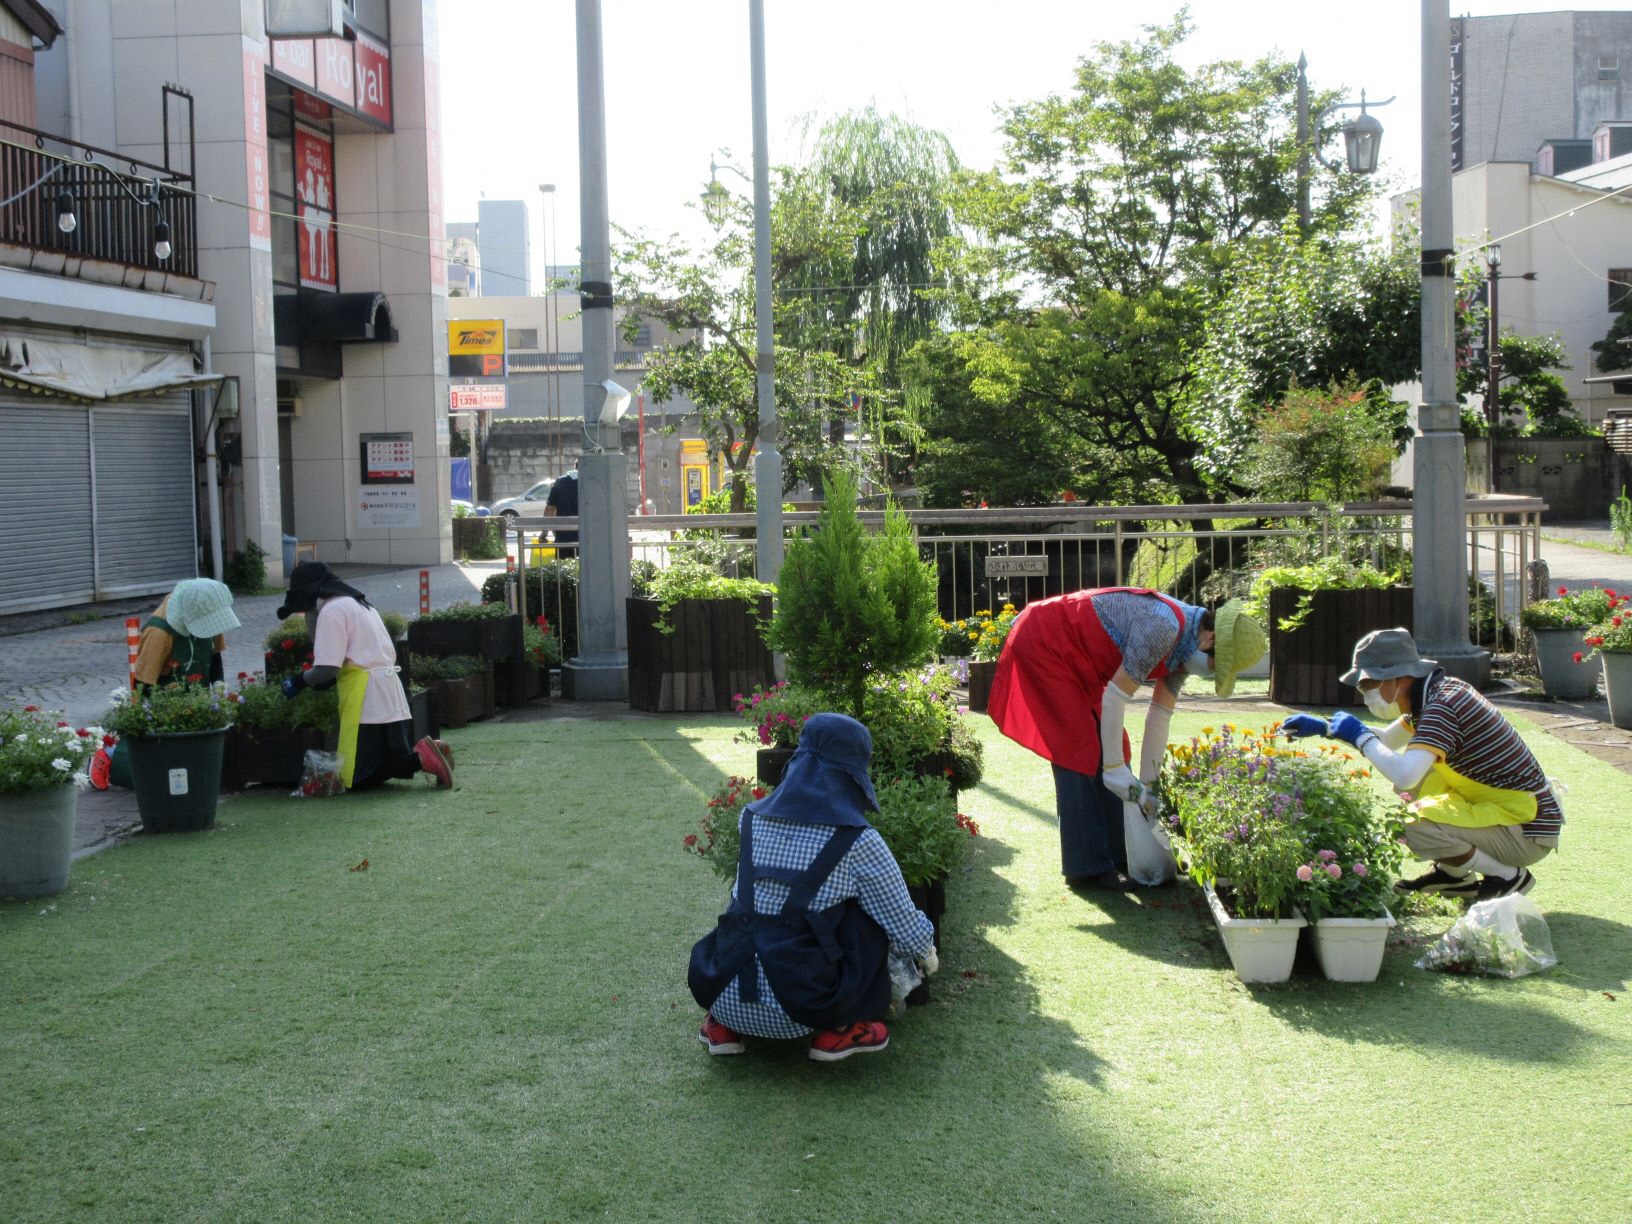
{"points": [[600, 672], [1439, 517], [1303, 145], [1493, 377], [212, 483], [768, 463]]}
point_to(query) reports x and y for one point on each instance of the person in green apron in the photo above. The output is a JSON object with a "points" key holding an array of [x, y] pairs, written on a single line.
{"points": [[181, 642], [351, 649], [1483, 812]]}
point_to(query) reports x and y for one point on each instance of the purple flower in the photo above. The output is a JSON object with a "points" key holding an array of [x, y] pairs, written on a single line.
{"points": [[1333, 870], [1359, 869], [1229, 835], [1305, 874], [1243, 831]]}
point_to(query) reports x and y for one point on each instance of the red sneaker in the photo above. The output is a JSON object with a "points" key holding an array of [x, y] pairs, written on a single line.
{"points": [[101, 764], [446, 749], [862, 1037], [718, 1038], [434, 763]]}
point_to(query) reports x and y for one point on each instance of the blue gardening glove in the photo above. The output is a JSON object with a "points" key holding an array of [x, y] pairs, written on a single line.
{"points": [[292, 686], [1302, 726], [1349, 729]]}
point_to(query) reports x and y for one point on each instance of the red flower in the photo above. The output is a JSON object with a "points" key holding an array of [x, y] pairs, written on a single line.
{"points": [[108, 741], [689, 840], [1610, 591], [759, 792], [195, 678], [1576, 656], [947, 772], [305, 667], [1594, 641], [1563, 590], [243, 675], [310, 655], [62, 724], [83, 734], [1616, 621], [31, 709], [287, 644]]}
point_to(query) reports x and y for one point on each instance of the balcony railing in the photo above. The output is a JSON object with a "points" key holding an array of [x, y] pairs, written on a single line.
{"points": [[118, 202], [540, 363]]}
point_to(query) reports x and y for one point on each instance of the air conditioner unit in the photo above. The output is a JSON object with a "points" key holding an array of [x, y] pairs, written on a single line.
{"points": [[290, 406]]}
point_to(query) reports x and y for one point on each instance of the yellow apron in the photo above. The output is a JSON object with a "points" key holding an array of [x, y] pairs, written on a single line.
{"points": [[353, 687], [1448, 798]]}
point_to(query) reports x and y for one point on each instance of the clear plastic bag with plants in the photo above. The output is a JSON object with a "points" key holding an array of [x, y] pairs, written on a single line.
{"points": [[320, 776], [1507, 937]]}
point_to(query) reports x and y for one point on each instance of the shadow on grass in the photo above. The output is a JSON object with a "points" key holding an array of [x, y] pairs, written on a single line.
{"points": [[1591, 950], [1012, 800], [1170, 924]]}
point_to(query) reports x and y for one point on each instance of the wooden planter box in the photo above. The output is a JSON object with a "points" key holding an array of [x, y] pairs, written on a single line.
{"points": [[422, 706], [1304, 664], [517, 682], [457, 702], [267, 758], [716, 649], [495, 639], [981, 675]]}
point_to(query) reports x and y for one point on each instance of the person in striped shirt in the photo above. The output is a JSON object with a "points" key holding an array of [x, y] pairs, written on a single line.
{"points": [[1484, 813]]}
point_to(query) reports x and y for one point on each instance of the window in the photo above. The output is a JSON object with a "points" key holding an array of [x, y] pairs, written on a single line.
{"points": [[1620, 288], [1609, 67], [524, 337], [643, 336], [1600, 146]]}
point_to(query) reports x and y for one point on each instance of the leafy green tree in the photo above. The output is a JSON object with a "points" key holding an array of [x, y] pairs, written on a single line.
{"points": [[853, 604], [1535, 402], [1614, 351], [1326, 446], [1119, 220]]}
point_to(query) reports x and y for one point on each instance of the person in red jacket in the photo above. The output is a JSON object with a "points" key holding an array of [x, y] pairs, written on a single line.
{"points": [[1063, 681]]}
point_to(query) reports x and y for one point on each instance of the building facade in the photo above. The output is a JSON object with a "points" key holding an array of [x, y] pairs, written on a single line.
{"points": [[464, 260], [310, 162], [506, 246]]}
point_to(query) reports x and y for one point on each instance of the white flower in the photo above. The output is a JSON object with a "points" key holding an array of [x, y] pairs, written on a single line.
{"points": [[61, 764], [96, 732], [19, 739], [120, 695]]}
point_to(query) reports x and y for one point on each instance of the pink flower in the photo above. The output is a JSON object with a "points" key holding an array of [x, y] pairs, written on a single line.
{"points": [[1359, 869], [1333, 870], [1305, 874], [1327, 856]]}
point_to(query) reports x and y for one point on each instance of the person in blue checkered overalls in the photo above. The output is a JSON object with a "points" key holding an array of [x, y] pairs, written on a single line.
{"points": [[817, 909]]}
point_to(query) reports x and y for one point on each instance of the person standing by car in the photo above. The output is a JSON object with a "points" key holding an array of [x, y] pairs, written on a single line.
{"points": [[564, 503]]}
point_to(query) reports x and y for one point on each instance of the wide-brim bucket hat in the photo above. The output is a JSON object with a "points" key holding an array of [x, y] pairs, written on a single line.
{"points": [[1239, 641], [309, 582], [201, 608], [1387, 654], [826, 782]]}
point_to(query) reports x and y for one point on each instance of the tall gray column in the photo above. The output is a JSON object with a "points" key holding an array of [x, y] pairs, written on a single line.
{"points": [[600, 672], [768, 462], [1439, 539]]}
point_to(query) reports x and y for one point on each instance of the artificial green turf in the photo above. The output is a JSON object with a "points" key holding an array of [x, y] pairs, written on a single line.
{"points": [[491, 1023]]}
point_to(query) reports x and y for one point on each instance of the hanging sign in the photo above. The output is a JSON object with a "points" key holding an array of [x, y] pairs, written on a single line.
{"points": [[314, 192], [1016, 567]]}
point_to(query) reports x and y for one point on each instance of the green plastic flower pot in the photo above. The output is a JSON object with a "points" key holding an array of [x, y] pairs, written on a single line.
{"points": [[177, 779], [36, 841]]}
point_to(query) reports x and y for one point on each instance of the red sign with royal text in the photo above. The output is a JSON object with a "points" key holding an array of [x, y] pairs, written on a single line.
{"points": [[314, 193], [355, 75], [373, 67], [292, 57], [336, 73]]}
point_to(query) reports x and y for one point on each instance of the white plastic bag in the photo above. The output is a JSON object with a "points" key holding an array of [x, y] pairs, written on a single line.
{"points": [[1507, 937], [320, 777], [1150, 854]]}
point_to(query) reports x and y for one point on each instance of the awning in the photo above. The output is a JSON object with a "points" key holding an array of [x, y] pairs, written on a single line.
{"points": [[346, 318], [94, 375]]}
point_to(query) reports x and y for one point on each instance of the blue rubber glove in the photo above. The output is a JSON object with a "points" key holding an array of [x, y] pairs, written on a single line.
{"points": [[1349, 729], [1302, 726], [292, 686]]}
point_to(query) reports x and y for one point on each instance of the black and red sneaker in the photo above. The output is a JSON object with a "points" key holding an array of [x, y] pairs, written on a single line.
{"points": [[718, 1038], [862, 1037], [433, 762], [101, 766]]}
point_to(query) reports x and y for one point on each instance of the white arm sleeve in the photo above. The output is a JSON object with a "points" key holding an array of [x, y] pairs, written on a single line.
{"points": [[1113, 715], [1403, 769], [1154, 744], [1396, 735]]}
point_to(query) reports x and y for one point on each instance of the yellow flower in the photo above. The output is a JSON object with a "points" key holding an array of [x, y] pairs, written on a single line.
{"points": [[1207, 730]]}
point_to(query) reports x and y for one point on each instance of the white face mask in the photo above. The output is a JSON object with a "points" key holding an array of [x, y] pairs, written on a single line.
{"points": [[1389, 710], [1199, 664]]}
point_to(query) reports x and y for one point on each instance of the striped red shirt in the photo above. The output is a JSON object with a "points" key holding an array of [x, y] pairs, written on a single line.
{"points": [[1482, 746]]}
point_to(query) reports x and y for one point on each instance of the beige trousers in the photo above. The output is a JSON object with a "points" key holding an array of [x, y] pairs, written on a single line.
{"points": [[1429, 839]]}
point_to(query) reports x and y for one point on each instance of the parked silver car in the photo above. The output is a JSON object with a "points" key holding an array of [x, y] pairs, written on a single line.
{"points": [[530, 504]]}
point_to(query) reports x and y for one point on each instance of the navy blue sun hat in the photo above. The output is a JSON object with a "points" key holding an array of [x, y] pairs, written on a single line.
{"points": [[826, 782]]}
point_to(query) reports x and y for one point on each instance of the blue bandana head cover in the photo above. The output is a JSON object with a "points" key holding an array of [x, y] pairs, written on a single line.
{"points": [[826, 782], [1186, 645]]}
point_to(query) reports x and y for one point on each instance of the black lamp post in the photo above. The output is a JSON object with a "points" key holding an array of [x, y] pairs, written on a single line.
{"points": [[1493, 354], [1362, 140]]}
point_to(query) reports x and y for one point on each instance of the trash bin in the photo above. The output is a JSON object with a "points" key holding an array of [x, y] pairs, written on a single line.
{"points": [[289, 543]]}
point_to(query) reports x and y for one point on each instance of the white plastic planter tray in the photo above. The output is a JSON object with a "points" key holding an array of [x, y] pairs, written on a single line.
{"points": [[1261, 949], [1351, 949]]}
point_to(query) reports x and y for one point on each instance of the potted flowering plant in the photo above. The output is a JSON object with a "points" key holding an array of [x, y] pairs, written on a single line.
{"points": [[991, 632], [1559, 627], [1611, 641], [41, 762], [775, 716], [526, 676], [177, 735]]}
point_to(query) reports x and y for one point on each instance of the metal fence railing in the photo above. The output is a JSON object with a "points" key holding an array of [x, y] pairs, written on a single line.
{"points": [[986, 558]]}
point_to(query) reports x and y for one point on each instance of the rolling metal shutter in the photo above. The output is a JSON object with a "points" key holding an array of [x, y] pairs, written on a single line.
{"points": [[144, 496], [46, 559]]}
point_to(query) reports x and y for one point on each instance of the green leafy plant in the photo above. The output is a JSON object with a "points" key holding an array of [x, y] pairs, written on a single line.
{"points": [[288, 647], [245, 574], [172, 709], [1569, 609], [1327, 574], [39, 749], [1334, 445], [490, 545], [552, 589], [466, 612], [454, 667], [1352, 843], [396, 624], [263, 707], [540, 643], [853, 605], [720, 840], [688, 580], [1613, 634], [919, 821], [1620, 520], [910, 715], [994, 631]]}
